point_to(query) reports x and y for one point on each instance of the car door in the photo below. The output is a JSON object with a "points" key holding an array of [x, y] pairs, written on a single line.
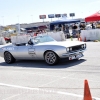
{"points": [[32, 52], [26, 52]]}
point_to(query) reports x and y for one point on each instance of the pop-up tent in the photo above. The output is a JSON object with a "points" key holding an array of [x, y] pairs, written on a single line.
{"points": [[94, 17], [64, 21]]}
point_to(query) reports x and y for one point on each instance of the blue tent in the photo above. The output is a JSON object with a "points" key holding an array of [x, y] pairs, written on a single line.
{"points": [[64, 21]]}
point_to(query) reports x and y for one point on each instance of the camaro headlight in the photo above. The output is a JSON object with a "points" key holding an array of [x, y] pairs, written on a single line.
{"points": [[68, 49], [82, 46]]}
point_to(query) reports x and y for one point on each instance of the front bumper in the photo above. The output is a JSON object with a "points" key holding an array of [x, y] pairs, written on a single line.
{"points": [[65, 55]]}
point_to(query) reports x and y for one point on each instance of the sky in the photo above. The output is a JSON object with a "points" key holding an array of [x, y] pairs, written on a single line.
{"points": [[28, 11]]}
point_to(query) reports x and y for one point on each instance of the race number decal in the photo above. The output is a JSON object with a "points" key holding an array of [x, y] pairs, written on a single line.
{"points": [[8, 48]]}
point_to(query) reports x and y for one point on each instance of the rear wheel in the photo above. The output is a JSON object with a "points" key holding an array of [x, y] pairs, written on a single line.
{"points": [[8, 58], [51, 58]]}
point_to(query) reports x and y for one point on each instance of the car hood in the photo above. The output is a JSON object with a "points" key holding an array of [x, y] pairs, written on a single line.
{"points": [[63, 43], [9, 44]]}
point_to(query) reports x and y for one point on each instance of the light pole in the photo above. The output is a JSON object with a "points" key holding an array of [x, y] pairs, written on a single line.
{"points": [[32, 18], [3, 20], [18, 18], [81, 14], [18, 25]]}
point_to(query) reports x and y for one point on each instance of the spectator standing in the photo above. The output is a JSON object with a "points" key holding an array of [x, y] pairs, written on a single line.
{"points": [[67, 34], [93, 26], [74, 30]]}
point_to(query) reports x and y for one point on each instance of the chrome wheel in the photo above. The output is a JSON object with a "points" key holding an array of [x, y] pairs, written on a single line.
{"points": [[51, 58], [8, 58]]}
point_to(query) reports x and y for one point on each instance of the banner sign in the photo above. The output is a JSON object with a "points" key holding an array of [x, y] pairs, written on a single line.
{"points": [[72, 14], [42, 16], [90, 34], [51, 16], [64, 15], [57, 15]]}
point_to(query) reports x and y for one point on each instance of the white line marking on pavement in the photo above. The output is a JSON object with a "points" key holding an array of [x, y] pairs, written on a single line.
{"points": [[42, 74], [45, 90], [13, 96], [56, 80], [38, 74]]}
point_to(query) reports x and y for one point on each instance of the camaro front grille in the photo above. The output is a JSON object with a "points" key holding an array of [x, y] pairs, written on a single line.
{"points": [[76, 48]]}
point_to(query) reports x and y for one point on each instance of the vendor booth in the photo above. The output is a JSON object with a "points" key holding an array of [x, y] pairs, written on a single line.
{"points": [[91, 34], [94, 17]]}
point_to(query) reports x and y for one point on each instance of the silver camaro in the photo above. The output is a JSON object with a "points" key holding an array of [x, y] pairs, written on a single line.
{"points": [[43, 48]]}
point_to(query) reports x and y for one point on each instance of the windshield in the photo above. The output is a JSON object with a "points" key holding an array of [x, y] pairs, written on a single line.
{"points": [[42, 39]]}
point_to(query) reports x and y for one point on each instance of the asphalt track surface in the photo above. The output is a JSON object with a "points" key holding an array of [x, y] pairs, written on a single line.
{"points": [[34, 80]]}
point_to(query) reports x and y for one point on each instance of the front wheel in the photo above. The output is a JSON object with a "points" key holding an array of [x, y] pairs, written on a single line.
{"points": [[8, 58], [51, 58]]}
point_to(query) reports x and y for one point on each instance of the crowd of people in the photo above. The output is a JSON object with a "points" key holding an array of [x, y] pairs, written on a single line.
{"points": [[39, 32], [74, 29], [70, 30]]}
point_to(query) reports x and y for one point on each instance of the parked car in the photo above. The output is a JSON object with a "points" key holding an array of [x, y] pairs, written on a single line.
{"points": [[43, 48]]}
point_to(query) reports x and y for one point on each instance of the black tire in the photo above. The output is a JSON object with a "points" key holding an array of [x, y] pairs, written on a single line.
{"points": [[51, 58], [8, 58]]}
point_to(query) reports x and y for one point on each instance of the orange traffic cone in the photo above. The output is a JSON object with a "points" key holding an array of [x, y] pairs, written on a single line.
{"points": [[84, 39], [87, 94]]}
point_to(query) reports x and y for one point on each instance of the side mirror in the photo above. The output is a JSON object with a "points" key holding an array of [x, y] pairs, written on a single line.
{"points": [[30, 42]]}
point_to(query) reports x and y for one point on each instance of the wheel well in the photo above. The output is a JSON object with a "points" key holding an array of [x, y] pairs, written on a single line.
{"points": [[9, 52], [49, 50], [5, 52], [12, 59]]}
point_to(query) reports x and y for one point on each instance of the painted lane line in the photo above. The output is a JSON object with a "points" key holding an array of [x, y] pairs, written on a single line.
{"points": [[45, 90], [56, 80], [80, 79], [13, 96], [43, 74], [38, 74]]}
